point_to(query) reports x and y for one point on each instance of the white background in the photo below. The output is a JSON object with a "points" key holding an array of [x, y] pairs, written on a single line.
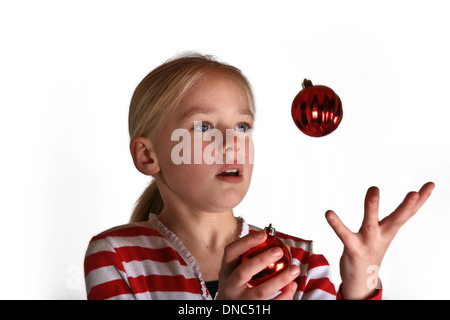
{"points": [[67, 73]]}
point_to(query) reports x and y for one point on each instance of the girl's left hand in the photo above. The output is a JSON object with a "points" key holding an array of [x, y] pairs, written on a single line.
{"points": [[364, 251]]}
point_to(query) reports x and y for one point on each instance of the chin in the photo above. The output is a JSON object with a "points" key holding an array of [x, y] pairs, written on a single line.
{"points": [[228, 202]]}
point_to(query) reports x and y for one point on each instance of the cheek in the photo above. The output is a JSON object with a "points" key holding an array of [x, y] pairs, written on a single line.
{"points": [[249, 169], [191, 179], [248, 174], [250, 152], [195, 173]]}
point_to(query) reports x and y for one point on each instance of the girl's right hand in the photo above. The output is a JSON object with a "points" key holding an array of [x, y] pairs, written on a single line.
{"points": [[233, 277]]}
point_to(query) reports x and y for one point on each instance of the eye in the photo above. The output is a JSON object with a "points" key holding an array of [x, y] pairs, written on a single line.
{"points": [[203, 126], [243, 127]]}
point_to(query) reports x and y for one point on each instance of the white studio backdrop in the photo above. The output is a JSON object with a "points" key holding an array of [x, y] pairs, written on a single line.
{"points": [[67, 73]]}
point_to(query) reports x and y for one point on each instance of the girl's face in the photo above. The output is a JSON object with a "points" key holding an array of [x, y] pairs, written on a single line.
{"points": [[215, 171]]}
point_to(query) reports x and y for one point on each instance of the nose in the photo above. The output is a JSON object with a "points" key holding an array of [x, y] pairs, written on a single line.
{"points": [[234, 148], [230, 142]]}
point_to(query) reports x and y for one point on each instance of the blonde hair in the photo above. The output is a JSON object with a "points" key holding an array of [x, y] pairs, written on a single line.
{"points": [[157, 97]]}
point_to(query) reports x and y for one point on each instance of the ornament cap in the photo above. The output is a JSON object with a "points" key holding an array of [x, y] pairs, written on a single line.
{"points": [[307, 83], [270, 230]]}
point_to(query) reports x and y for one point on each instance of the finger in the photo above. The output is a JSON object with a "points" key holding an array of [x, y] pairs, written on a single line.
{"points": [[287, 293], [267, 289], [244, 272], [339, 228], [425, 193], [371, 204], [235, 249], [410, 205], [393, 222]]}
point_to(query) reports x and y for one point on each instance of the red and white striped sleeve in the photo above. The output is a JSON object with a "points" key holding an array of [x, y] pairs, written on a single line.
{"points": [[314, 282], [104, 272], [133, 262]]}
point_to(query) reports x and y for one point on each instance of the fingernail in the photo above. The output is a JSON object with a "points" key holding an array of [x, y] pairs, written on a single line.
{"points": [[276, 252], [259, 235]]}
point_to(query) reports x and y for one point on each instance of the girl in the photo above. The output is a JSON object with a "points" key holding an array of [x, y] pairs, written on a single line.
{"points": [[183, 241]]}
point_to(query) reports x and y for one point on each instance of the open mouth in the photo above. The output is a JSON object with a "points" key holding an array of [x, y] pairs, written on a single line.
{"points": [[231, 173]]}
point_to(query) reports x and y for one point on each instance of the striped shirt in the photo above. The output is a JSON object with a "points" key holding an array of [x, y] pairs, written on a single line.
{"points": [[137, 262]]}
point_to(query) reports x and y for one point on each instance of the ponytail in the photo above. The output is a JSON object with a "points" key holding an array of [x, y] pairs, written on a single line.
{"points": [[149, 202]]}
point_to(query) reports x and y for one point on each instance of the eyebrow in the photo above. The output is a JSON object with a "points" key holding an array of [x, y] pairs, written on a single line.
{"points": [[195, 110], [200, 110]]}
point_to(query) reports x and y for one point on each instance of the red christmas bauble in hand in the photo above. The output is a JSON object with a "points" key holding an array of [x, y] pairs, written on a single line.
{"points": [[316, 110], [273, 269]]}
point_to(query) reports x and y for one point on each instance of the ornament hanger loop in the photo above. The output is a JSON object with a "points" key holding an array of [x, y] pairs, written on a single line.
{"points": [[270, 230]]}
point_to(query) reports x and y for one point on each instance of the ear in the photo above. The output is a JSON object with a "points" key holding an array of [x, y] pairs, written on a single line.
{"points": [[144, 155]]}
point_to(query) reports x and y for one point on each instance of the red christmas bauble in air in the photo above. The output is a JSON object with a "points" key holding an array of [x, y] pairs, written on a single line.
{"points": [[273, 269], [316, 110]]}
